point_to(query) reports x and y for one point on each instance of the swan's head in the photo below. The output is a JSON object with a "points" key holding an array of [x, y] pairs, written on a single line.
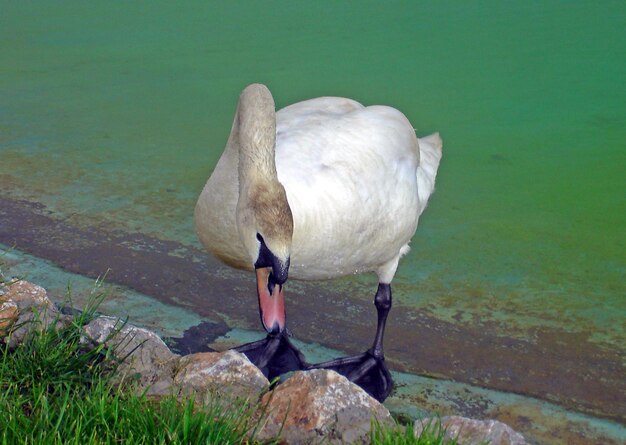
{"points": [[265, 226]]}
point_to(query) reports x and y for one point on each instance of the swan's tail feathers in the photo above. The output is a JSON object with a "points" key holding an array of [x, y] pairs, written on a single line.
{"points": [[430, 155]]}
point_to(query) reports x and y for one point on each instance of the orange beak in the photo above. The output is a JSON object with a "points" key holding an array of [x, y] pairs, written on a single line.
{"points": [[271, 305]]}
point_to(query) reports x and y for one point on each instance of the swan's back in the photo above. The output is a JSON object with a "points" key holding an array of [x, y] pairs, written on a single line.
{"points": [[351, 176]]}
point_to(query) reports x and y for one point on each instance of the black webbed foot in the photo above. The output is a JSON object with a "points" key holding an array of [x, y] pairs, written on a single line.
{"points": [[365, 370], [274, 355]]}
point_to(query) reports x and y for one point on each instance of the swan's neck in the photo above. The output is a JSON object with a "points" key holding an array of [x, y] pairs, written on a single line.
{"points": [[262, 207], [254, 135]]}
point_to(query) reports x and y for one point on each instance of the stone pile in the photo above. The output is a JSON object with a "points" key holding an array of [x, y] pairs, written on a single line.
{"points": [[308, 407]]}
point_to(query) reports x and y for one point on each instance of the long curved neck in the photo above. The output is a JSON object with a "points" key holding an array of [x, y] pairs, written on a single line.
{"points": [[262, 206], [254, 136]]}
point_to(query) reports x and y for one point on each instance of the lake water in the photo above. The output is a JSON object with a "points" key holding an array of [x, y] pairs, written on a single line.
{"points": [[112, 116]]}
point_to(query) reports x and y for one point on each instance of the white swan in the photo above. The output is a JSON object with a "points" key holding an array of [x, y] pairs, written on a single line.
{"points": [[322, 188]]}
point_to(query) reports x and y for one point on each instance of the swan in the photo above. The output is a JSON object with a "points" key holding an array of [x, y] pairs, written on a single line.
{"points": [[320, 189]]}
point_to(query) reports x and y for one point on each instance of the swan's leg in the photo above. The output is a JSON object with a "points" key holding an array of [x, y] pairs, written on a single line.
{"points": [[382, 300], [368, 370]]}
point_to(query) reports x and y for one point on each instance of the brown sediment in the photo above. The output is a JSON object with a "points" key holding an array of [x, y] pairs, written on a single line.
{"points": [[562, 367]]}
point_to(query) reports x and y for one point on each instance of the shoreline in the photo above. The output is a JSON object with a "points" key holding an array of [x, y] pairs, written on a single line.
{"points": [[159, 269], [540, 421]]}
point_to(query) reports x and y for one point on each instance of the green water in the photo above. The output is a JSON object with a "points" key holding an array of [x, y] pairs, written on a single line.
{"points": [[114, 113]]}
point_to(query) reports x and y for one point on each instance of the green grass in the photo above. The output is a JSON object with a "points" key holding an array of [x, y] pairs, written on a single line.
{"points": [[433, 434], [55, 389]]}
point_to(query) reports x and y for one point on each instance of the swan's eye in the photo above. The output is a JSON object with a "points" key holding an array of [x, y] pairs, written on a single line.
{"points": [[264, 256]]}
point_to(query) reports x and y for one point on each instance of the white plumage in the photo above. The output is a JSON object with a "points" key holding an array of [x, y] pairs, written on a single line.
{"points": [[357, 179]]}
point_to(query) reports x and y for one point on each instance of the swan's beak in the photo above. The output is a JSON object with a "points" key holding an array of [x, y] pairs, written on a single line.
{"points": [[271, 301]]}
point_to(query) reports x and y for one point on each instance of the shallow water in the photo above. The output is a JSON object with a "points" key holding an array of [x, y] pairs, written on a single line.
{"points": [[113, 115]]}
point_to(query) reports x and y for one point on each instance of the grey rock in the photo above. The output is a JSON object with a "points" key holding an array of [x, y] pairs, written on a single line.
{"points": [[26, 307], [145, 356], [320, 405], [228, 375], [474, 432]]}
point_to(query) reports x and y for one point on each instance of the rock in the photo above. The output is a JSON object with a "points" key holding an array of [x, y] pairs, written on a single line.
{"points": [[8, 316], [320, 405], [33, 308], [474, 432], [144, 354], [28, 295], [228, 374]]}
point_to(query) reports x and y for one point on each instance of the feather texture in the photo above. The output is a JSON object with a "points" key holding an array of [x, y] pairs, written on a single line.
{"points": [[356, 179]]}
